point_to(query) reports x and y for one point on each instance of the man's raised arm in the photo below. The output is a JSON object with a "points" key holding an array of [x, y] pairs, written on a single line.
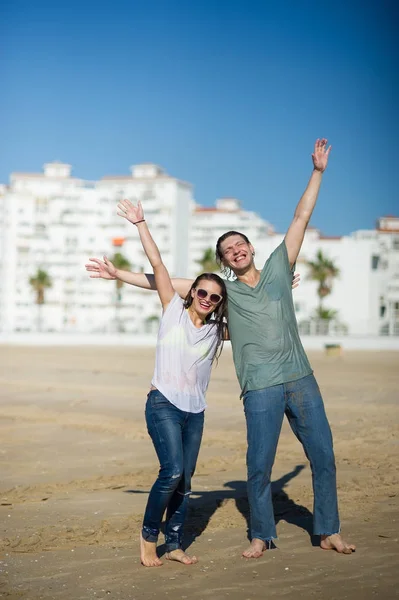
{"points": [[304, 209], [104, 269]]}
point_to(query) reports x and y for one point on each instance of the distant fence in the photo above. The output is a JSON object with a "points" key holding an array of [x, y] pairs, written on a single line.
{"points": [[310, 342]]}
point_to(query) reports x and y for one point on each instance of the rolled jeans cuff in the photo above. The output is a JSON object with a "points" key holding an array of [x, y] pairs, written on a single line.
{"points": [[173, 546], [149, 535]]}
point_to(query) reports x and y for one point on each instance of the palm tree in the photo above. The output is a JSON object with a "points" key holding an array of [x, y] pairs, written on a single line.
{"points": [[325, 314], [40, 282], [208, 262], [120, 262], [322, 270]]}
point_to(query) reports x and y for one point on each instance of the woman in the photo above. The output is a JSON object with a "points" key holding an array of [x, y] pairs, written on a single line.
{"points": [[191, 333]]}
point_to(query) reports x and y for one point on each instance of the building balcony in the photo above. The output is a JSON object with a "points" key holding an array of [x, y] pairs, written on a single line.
{"points": [[393, 292]]}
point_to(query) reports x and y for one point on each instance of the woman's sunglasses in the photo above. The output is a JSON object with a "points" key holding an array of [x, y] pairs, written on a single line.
{"points": [[214, 298]]}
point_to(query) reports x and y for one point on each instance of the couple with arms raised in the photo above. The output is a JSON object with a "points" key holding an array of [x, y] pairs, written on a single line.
{"points": [[256, 312]]}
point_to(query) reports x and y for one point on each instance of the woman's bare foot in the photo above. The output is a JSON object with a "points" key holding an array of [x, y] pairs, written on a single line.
{"points": [[335, 542], [181, 556], [255, 550], [148, 553]]}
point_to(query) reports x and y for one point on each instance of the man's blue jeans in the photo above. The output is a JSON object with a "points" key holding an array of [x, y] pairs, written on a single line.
{"points": [[176, 436], [302, 403]]}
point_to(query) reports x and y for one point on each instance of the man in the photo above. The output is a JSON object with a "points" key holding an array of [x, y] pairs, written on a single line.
{"points": [[272, 368]]}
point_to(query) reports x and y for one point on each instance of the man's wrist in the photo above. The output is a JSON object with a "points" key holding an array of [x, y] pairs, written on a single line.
{"points": [[138, 222]]}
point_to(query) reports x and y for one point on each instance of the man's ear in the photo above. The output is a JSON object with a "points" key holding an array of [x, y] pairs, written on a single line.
{"points": [[252, 249]]}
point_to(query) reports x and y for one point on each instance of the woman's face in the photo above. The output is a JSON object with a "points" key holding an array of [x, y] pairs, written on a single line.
{"points": [[207, 295]]}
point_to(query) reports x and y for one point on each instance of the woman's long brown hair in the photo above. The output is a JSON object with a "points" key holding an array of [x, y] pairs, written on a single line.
{"points": [[219, 315]]}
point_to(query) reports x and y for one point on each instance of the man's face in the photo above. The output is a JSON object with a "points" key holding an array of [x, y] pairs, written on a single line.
{"points": [[237, 253]]}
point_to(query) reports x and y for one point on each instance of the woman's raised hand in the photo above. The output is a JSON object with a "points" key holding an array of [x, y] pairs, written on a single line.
{"points": [[101, 269], [129, 211]]}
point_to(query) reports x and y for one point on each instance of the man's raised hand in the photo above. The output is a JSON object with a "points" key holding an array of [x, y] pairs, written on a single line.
{"points": [[129, 211], [101, 269], [320, 155]]}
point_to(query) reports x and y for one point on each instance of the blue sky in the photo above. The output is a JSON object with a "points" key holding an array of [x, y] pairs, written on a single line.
{"points": [[229, 95]]}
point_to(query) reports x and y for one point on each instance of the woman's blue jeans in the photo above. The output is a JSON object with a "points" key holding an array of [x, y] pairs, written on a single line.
{"points": [[302, 403], [176, 436]]}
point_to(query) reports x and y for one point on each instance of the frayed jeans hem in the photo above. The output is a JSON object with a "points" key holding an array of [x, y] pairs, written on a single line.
{"points": [[264, 540]]}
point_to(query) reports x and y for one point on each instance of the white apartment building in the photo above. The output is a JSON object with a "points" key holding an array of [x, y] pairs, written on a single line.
{"points": [[366, 292], [55, 222]]}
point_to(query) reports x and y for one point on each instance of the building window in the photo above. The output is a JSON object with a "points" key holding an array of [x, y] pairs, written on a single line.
{"points": [[148, 194], [395, 244], [375, 260], [382, 307], [71, 241], [297, 307]]}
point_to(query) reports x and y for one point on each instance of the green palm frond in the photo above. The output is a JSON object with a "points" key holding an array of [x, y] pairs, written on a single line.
{"points": [[323, 270], [120, 262], [327, 314], [208, 262]]}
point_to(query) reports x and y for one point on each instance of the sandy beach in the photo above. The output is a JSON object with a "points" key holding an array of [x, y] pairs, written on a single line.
{"points": [[76, 466]]}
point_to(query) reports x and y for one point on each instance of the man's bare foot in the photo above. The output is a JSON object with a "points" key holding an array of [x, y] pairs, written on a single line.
{"points": [[335, 542], [255, 550], [148, 553], [181, 556]]}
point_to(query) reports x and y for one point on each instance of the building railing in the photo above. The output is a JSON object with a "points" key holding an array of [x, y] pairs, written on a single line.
{"points": [[322, 327]]}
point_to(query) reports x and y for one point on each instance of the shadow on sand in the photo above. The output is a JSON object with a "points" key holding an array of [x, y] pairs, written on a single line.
{"points": [[204, 504]]}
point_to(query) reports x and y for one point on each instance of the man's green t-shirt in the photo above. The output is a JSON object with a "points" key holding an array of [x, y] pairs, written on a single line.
{"points": [[263, 330]]}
